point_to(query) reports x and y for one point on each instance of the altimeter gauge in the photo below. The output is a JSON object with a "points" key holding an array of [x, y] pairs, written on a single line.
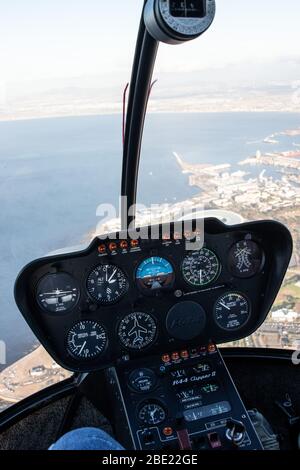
{"points": [[137, 330], [177, 21], [57, 293], [200, 268], [245, 259], [86, 340], [232, 311], [107, 284]]}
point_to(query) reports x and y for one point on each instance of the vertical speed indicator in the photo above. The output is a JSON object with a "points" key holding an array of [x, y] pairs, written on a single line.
{"points": [[86, 340]]}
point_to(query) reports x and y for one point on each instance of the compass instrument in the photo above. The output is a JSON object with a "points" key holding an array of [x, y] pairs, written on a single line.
{"points": [[178, 21]]}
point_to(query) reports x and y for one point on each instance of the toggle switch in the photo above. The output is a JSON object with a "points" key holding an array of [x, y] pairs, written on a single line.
{"points": [[214, 440]]}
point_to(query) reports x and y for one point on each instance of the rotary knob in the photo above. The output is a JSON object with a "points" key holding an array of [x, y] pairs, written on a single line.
{"points": [[235, 432]]}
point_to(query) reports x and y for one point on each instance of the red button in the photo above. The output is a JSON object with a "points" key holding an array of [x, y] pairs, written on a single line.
{"points": [[175, 356], [168, 431], [166, 358], [184, 354], [102, 249]]}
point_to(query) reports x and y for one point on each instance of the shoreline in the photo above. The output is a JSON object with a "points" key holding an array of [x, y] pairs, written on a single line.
{"points": [[153, 112]]}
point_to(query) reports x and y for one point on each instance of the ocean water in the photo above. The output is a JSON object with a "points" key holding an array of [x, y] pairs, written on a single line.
{"points": [[55, 172]]}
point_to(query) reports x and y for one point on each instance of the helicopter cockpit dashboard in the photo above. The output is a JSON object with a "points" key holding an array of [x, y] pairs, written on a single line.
{"points": [[151, 312]]}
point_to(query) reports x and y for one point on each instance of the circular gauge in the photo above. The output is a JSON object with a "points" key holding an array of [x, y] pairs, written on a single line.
{"points": [[107, 284], [86, 340], [176, 21], [245, 259], [200, 268], [152, 413], [57, 293], [232, 311], [155, 273], [137, 330], [142, 380]]}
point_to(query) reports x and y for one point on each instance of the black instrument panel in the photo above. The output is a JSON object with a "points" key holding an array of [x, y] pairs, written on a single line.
{"points": [[128, 297]]}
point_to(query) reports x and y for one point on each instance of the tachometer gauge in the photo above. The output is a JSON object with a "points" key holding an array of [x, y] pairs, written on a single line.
{"points": [[107, 284], [57, 293], [232, 311], [245, 259], [86, 340], [152, 413], [137, 330], [200, 268], [155, 273]]}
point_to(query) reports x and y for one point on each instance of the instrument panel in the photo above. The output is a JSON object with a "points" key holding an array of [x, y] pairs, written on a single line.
{"points": [[129, 298]]}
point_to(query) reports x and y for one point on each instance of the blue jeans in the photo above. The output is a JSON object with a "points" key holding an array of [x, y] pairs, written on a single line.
{"points": [[86, 439]]}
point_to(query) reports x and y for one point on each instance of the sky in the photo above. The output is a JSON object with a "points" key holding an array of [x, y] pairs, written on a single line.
{"points": [[70, 38]]}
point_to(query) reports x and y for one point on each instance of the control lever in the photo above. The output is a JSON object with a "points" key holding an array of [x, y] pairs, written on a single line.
{"points": [[235, 432], [183, 435], [293, 417]]}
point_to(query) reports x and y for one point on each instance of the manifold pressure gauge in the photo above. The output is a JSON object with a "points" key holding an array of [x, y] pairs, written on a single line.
{"points": [[177, 21]]}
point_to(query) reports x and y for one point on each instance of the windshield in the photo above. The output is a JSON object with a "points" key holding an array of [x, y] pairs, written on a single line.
{"points": [[223, 135], [229, 101], [64, 66]]}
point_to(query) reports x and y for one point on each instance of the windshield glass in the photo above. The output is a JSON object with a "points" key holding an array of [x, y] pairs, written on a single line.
{"points": [[64, 66], [223, 135]]}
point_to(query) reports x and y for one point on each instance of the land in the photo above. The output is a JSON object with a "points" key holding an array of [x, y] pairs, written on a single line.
{"points": [[27, 376], [203, 91], [259, 197], [220, 192]]}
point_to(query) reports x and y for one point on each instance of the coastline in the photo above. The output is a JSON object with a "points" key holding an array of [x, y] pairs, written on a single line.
{"points": [[34, 117]]}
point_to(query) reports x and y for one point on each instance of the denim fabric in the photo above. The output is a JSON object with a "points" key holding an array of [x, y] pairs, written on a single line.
{"points": [[86, 439]]}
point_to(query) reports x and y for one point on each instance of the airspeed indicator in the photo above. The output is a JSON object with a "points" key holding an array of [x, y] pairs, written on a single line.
{"points": [[200, 268]]}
